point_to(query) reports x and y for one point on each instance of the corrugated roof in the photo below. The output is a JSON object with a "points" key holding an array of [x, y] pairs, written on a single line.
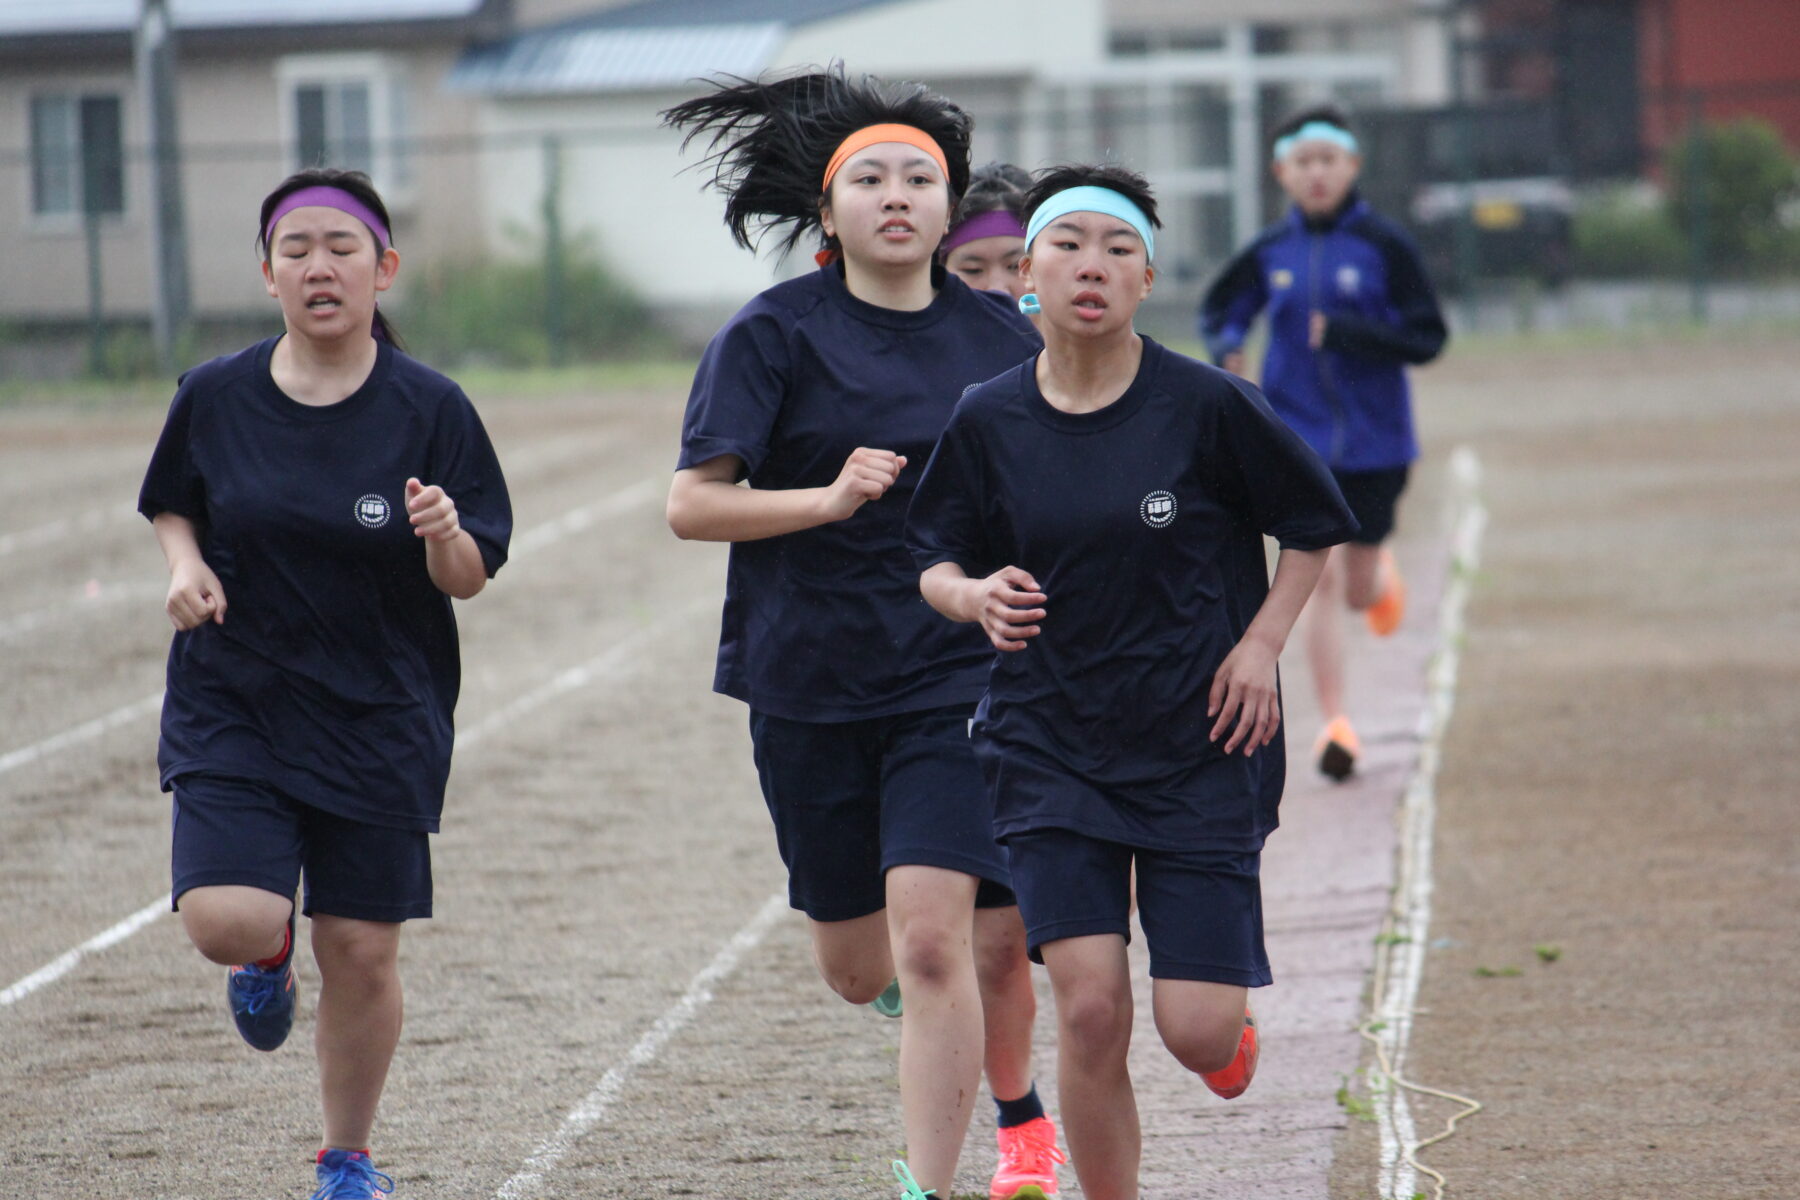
{"points": [[565, 61], [647, 44], [26, 17], [666, 13]]}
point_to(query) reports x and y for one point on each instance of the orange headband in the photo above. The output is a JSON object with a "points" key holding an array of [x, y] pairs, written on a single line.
{"points": [[873, 135]]}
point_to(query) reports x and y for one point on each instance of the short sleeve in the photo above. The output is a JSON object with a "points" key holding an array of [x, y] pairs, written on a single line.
{"points": [[1287, 489], [946, 521], [738, 391], [464, 464], [172, 484]]}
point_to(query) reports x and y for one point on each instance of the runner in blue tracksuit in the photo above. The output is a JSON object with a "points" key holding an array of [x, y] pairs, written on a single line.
{"points": [[1349, 307]]}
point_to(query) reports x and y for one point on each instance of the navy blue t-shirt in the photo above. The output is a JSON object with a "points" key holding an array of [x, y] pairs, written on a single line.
{"points": [[334, 676], [827, 624], [1143, 524]]}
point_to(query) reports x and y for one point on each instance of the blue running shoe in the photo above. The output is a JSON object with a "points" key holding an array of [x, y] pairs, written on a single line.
{"points": [[349, 1175], [888, 1003], [262, 998]]}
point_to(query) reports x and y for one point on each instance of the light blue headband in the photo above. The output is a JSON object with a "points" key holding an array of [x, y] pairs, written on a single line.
{"points": [[1089, 198], [1316, 131]]}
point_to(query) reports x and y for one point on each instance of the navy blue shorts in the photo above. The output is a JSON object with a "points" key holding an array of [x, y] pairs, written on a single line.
{"points": [[1201, 909], [244, 832], [1372, 497], [851, 799]]}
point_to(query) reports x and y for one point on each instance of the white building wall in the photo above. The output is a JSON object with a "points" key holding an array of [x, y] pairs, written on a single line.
{"points": [[624, 182], [952, 38]]}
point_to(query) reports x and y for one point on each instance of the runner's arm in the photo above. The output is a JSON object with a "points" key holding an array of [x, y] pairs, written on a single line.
{"points": [[706, 504]]}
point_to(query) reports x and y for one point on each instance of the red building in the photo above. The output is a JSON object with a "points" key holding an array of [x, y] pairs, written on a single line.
{"points": [[1718, 59]]}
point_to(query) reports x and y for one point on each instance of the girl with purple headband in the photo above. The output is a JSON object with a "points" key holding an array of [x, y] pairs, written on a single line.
{"points": [[319, 497], [987, 233]]}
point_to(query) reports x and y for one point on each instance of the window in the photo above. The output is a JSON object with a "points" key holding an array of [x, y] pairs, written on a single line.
{"points": [[347, 111], [77, 161]]}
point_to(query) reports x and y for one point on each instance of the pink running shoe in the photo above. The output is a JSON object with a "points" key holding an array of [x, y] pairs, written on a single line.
{"points": [[1234, 1078], [1028, 1158]]}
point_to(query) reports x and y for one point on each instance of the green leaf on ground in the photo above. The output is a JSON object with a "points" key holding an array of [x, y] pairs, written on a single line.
{"points": [[1548, 952], [1497, 972]]}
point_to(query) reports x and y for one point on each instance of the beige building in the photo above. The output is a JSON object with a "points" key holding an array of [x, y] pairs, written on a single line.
{"points": [[588, 93], [479, 119], [263, 87]]}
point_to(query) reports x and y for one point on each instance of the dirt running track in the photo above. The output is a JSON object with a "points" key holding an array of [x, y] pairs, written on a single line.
{"points": [[1617, 781]]}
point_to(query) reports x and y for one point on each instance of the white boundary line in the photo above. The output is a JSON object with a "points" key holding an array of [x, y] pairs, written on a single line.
{"points": [[86, 731], [109, 596], [87, 522], [55, 969], [551, 531], [613, 659], [1418, 818], [593, 1108]]}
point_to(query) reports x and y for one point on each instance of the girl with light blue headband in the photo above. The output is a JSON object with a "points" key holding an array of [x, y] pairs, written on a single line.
{"points": [[1099, 511]]}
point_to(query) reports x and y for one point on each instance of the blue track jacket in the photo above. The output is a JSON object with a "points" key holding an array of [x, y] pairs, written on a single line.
{"points": [[1350, 401]]}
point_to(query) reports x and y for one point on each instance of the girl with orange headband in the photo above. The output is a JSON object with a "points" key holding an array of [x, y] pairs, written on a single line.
{"points": [[825, 394]]}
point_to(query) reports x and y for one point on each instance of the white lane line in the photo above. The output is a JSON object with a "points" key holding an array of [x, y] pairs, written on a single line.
{"points": [[551, 531], [583, 516], [1418, 817], [87, 522], [593, 1108], [52, 971], [612, 662], [95, 598], [84, 732]]}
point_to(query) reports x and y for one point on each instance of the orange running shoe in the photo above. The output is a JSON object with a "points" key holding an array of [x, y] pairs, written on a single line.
{"points": [[1232, 1080], [1337, 749], [1384, 615], [1028, 1158]]}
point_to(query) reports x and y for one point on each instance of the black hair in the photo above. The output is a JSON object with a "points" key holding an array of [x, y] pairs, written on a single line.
{"points": [[358, 185], [994, 187], [771, 140], [1126, 182], [1326, 114]]}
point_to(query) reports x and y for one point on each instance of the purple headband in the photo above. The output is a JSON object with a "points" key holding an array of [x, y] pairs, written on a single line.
{"points": [[998, 223], [329, 197]]}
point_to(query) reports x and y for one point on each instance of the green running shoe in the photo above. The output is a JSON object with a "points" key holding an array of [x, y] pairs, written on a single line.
{"points": [[888, 1003]]}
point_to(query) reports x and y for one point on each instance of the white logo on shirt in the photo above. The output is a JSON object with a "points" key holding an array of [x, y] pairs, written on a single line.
{"points": [[372, 511], [1157, 509], [1348, 280]]}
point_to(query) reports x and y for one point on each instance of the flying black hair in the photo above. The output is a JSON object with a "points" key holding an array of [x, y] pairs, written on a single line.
{"points": [[994, 187], [358, 185], [1127, 183], [771, 140], [1327, 114]]}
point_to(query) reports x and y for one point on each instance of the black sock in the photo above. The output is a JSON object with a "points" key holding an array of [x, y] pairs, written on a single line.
{"points": [[1017, 1112]]}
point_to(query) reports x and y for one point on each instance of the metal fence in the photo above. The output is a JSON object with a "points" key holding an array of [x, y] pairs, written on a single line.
{"points": [[1493, 193]]}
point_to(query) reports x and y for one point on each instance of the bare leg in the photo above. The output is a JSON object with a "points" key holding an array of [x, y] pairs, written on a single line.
{"points": [[358, 1022], [931, 927], [853, 956], [1092, 981], [1323, 623], [230, 924], [1200, 1023], [1008, 1001], [1364, 576]]}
